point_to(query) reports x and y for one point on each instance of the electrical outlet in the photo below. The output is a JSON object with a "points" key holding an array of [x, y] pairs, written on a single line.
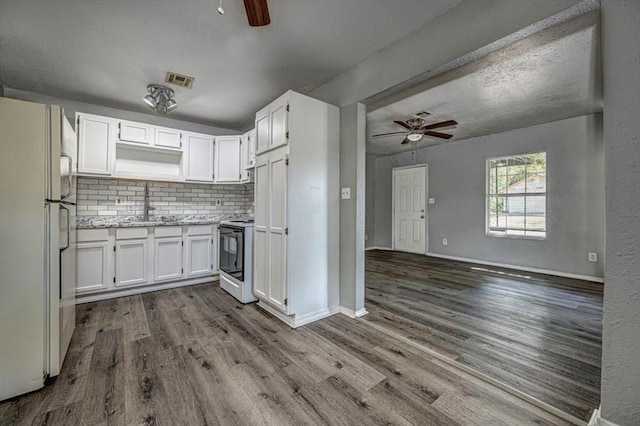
{"points": [[593, 257], [346, 193], [432, 200], [218, 202], [444, 242], [119, 201]]}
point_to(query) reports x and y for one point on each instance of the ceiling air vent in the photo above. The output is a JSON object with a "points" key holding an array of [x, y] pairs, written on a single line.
{"points": [[179, 79]]}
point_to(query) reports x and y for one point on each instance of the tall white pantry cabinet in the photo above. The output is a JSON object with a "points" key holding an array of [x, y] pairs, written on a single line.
{"points": [[296, 233]]}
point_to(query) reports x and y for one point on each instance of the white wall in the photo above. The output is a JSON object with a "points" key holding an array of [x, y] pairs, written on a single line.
{"points": [[621, 329], [71, 107], [457, 181]]}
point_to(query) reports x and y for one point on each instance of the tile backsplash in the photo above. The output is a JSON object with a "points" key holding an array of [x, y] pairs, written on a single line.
{"points": [[112, 197]]}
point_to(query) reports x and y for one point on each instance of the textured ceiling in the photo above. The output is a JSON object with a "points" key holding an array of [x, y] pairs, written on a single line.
{"points": [[106, 52], [548, 76]]}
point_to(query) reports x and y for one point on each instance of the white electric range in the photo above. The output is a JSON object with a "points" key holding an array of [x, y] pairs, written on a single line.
{"points": [[236, 259]]}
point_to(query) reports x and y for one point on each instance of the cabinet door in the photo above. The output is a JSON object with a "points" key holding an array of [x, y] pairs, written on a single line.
{"points": [[168, 138], [227, 159], [200, 252], [244, 158], [277, 239], [279, 126], [92, 266], [96, 144], [251, 146], [199, 158], [131, 262], [129, 131], [262, 132], [260, 226], [168, 258]]}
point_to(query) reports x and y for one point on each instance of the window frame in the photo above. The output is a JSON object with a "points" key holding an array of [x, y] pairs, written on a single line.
{"points": [[488, 195]]}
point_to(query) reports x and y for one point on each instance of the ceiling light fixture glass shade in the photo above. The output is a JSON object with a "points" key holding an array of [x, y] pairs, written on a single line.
{"points": [[414, 137], [160, 98]]}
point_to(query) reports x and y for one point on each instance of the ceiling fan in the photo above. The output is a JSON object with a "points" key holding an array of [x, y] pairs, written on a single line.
{"points": [[415, 130], [257, 12]]}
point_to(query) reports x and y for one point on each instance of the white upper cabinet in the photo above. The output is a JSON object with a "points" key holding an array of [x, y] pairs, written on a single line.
{"points": [[168, 138], [279, 129], [272, 128], [96, 144], [129, 131], [262, 131], [198, 159], [247, 155], [227, 159]]}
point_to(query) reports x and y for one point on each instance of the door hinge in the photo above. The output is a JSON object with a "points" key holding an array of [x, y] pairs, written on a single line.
{"points": [[286, 160], [212, 241], [287, 107], [114, 248], [182, 243], [78, 122], [114, 279], [286, 302], [182, 270], [286, 231], [287, 134]]}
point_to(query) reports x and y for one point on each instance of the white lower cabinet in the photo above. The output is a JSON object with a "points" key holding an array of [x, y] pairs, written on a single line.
{"points": [[131, 262], [201, 255], [93, 266], [119, 258], [168, 258]]}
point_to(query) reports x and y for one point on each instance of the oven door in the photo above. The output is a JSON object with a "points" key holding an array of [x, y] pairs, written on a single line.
{"points": [[232, 251]]}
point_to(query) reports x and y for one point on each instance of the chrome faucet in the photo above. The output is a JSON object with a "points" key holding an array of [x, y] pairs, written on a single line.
{"points": [[147, 206]]}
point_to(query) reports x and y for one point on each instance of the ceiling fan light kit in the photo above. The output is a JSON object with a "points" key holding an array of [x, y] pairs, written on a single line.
{"points": [[160, 98]]}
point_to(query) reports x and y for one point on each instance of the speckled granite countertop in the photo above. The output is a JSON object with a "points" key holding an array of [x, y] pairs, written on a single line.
{"points": [[93, 222]]}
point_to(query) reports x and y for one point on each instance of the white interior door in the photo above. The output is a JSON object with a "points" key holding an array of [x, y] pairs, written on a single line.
{"points": [[409, 209]]}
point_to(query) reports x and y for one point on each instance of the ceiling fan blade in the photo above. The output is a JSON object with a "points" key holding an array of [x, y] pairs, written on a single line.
{"points": [[405, 141], [257, 12], [437, 135], [403, 124], [388, 134], [439, 125]]}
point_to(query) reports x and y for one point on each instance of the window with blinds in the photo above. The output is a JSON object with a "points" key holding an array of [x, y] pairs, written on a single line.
{"points": [[517, 196]]}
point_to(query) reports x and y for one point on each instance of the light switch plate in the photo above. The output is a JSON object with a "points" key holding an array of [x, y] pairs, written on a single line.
{"points": [[346, 193], [444, 242], [432, 200], [593, 257]]}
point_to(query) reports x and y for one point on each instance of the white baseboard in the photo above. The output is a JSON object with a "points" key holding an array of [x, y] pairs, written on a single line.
{"points": [[520, 268], [295, 321], [94, 297], [353, 314], [378, 248], [597, 420]]}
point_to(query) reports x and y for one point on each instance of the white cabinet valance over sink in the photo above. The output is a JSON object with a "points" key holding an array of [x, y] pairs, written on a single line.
{"points": [[126, 149]]}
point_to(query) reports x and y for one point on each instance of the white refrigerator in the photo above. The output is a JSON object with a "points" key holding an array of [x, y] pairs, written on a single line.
{"points": [[37, 243]]}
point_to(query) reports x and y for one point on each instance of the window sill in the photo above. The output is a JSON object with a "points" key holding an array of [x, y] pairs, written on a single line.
{"points": [[519, 237]]}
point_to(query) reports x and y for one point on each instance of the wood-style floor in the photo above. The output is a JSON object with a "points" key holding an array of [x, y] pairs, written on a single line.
{"points": [[194, 356], [539, 334]]}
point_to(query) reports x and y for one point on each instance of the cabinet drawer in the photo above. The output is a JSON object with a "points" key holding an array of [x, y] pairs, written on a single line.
{"points": [[131, 233], [200, 230], [168, 231], [92, 235]]}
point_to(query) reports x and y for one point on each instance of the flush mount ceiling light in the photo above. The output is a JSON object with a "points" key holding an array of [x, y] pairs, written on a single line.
{"points": [[160, 98]]}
